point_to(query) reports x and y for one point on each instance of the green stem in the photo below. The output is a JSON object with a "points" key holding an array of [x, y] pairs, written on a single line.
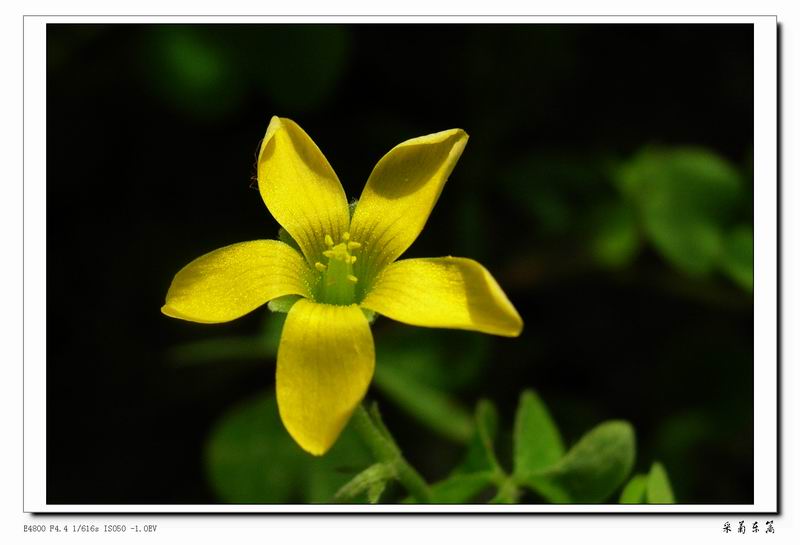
{"points": [[385, 450]]}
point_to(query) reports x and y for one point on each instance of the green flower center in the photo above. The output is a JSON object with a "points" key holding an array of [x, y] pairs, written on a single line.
{"points": [[338, 284]]}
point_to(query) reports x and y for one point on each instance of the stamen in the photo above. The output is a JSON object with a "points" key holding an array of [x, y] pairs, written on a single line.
{"points": [[337, 281]]}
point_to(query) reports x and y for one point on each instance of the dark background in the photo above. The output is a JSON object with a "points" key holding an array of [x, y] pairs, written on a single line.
{"points": [[152, 137]]}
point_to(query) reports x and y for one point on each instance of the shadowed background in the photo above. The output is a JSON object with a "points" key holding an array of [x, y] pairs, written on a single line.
{"points": [[606, 184]]}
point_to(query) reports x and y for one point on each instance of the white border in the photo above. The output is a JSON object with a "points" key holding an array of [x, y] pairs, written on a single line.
{"points": [[765, 225]]}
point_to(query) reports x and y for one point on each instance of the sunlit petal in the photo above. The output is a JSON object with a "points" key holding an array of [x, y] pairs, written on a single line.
{"points": [[232, 281], [300, 188], [325, 364], [449, 292]]}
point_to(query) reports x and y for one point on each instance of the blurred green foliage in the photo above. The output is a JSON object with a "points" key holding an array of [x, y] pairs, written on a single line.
{"points": [[686, 200], [688, 203], [251, 459]]}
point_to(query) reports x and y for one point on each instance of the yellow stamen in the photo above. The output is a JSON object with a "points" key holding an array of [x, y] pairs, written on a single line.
{"points": [[337, 285]]}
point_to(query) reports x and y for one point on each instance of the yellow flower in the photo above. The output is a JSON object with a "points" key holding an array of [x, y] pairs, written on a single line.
{"points": [[347, 269]]}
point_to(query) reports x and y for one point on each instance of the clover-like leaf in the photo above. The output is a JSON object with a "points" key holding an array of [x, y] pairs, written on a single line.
{"points": [[537, 441], [592, 469]]}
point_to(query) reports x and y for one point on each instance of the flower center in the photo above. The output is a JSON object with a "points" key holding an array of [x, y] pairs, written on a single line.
{"points": [[338, 286]]}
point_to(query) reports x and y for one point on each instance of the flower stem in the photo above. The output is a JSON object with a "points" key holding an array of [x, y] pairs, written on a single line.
{"points": [[385, 450]]}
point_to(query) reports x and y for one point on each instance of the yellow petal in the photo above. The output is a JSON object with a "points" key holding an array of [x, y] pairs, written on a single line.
{"points": [[232, 281], [325, 363], [300, 188], [449, 292], [399, 197]]}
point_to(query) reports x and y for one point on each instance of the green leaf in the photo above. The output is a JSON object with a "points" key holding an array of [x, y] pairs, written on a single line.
{"points": [[659, 489], [634, 491], [737, 256], [480, 453], [592, 470], [250, 458], [537, 441], [461, 488], [684, 197], [692, 245], [371, 482]]}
